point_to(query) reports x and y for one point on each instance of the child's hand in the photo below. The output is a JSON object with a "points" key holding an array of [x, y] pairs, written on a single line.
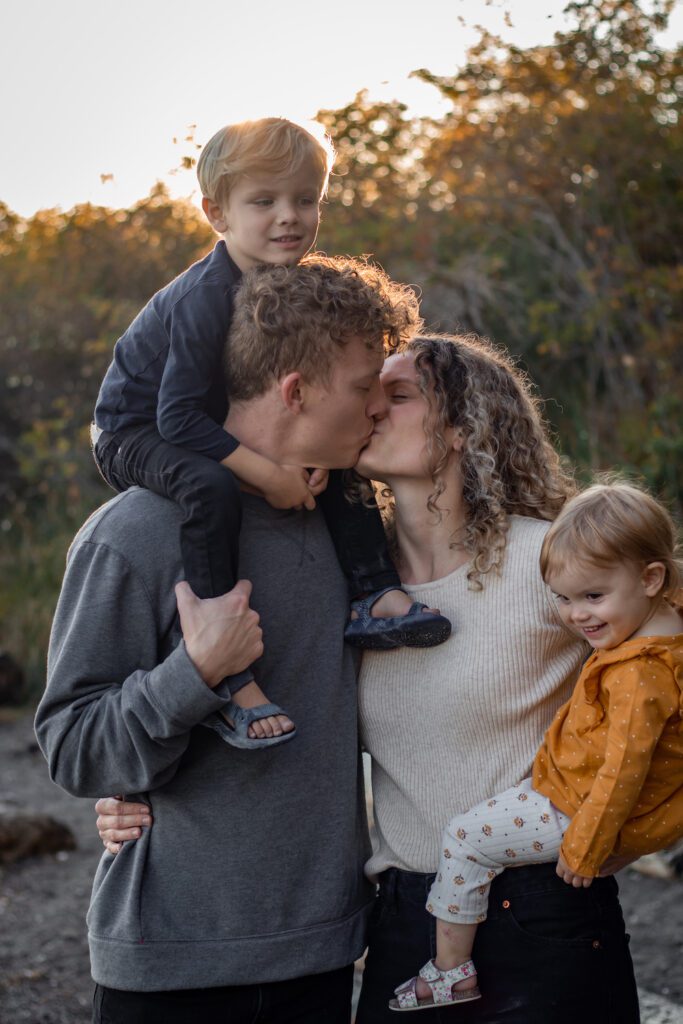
{"points": [[287, 487], [317, 481], [571, 877]]}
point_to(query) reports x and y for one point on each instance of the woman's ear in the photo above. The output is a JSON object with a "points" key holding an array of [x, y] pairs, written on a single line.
{"points": [[291, 392], [458, 439], [653, 577]]}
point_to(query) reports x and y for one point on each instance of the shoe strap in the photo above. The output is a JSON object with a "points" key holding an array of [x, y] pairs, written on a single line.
{"points": [[459, 973], [441, 982]]}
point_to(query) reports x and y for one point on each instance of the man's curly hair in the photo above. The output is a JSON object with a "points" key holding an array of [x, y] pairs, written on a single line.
{"points": [[509, 464], [298, 318]]}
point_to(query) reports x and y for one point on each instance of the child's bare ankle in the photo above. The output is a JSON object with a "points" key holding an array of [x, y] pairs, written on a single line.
{"points": [[394, 602], [251, 696]]}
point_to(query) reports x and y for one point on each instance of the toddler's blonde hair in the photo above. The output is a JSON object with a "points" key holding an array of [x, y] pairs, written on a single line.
{"points": [[613, 523], [271, 145]]}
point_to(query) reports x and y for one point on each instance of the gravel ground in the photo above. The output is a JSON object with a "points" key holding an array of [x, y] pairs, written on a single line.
{"points": [[44, 972]]}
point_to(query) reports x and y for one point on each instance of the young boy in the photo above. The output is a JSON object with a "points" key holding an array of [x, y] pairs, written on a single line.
{"points": [[159, 414]]}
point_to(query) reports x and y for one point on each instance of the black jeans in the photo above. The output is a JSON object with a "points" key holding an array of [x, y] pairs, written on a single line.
{"points": [[547, 953], [209, 497], [316, 999]]}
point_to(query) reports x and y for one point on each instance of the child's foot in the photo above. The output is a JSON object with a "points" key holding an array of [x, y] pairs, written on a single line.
{"points": [[423, 990], [390, 618], [436, 987], [251, 696]]}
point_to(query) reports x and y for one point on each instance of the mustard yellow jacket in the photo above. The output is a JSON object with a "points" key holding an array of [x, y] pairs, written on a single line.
{"points": [[613, 757]]}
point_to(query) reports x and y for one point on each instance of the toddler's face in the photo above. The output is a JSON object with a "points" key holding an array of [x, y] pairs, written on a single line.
{"points": [[272, 220], [604, 605]]}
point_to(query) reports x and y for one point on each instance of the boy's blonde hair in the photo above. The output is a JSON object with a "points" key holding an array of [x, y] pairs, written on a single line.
{"points": [[299, 317], [613, 523], [271, 145]]}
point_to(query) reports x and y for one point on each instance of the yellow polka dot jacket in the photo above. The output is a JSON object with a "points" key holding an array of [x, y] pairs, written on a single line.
{"points": [[613, 757]]}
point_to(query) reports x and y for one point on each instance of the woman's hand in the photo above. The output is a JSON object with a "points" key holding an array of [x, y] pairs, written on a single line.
{"points": [[119, 821], [571, 877]]}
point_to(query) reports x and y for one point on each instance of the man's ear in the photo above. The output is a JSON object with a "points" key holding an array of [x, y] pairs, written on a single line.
{"points": [[653, 577], [291, 392], [215, 215]]}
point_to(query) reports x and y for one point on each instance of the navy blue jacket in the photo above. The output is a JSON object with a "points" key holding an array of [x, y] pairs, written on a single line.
{"points": [[167, 366]]}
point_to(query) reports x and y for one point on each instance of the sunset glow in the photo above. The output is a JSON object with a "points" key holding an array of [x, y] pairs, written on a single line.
{"points": [[95, 96]]}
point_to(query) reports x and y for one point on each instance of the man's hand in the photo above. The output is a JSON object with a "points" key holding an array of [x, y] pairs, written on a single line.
{"points": [[118, 822], [222, 634], [571, 877], [288, 487]]}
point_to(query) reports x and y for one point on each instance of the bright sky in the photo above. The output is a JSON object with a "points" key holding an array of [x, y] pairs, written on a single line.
{"points": [[92, 89]]}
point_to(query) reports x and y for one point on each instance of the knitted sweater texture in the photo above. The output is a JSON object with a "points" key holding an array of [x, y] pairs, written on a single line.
{"points": [[452, 726]]}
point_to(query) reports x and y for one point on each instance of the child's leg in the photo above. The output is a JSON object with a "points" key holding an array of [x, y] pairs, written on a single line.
{"points": [[514, 828], [360, 542], [209, 498]]}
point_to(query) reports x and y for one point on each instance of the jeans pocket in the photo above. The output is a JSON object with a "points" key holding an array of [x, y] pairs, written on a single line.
{"points": [[571, 919]]}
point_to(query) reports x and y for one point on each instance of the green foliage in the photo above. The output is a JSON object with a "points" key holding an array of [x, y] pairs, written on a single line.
{"points": [[544, 209]]}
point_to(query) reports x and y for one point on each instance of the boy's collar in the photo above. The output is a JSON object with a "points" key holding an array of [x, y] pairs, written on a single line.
{"points": [[234, 269]]}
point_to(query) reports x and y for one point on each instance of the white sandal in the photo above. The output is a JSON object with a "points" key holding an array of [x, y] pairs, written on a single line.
{"points": [[441, 984]]}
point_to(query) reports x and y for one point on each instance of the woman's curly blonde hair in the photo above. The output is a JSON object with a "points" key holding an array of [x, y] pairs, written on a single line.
{"points": [[509, 465]]}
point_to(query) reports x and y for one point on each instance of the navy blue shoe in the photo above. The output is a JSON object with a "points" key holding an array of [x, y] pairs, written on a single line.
{"points": [[418, 628]]}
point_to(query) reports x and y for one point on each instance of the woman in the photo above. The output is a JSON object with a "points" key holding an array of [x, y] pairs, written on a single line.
{"points": [[471, 481]]}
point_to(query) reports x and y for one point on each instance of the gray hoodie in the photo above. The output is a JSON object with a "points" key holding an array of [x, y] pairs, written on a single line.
{"points": [[253, 870]]}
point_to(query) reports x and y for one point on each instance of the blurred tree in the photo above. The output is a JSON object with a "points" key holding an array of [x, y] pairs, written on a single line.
{"points": [[544, 209], [556, 220]]}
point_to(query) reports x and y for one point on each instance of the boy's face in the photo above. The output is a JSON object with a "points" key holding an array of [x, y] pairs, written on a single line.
{"points": [[272, 220]]}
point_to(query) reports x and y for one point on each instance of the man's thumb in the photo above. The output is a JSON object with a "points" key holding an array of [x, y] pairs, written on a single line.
{"points": [[184, 594], [242, 589]]}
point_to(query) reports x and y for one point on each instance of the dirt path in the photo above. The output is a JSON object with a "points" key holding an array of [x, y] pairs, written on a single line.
{"points": [[44, 971]]}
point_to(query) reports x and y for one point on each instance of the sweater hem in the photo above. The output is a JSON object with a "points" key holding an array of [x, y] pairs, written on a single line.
{"points": [[249, 960]]}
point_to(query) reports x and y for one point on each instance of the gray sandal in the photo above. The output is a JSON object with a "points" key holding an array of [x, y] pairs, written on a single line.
{"points": [[237, 733]]}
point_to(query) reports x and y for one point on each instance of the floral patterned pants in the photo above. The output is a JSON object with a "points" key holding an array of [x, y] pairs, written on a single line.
{"points": [[516, 827]]}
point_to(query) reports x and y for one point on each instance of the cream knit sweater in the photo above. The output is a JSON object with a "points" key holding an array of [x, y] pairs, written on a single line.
{"points": [[453, 725]]}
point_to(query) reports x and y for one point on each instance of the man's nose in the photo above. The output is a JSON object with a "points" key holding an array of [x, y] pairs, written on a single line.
{"points": [[376, 405]]}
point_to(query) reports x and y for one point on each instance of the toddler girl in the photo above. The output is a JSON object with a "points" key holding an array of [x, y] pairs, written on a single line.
{"points": [[608, 779]]}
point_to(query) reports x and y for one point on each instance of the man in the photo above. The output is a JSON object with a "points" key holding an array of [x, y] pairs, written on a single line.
{"points": [[246, 902]]}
